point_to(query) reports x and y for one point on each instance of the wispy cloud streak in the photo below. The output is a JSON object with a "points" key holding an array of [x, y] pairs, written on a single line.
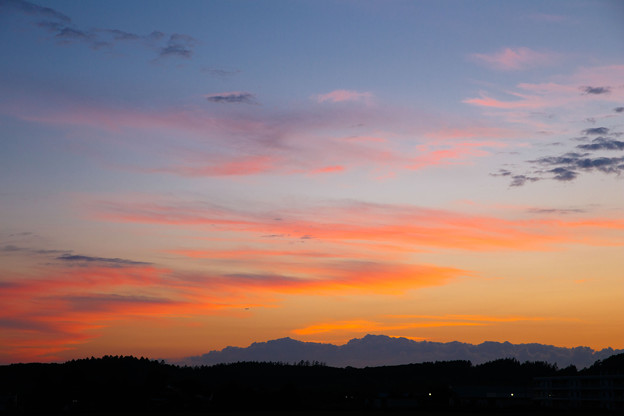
{"points": [[515, 59], [64, 31]]}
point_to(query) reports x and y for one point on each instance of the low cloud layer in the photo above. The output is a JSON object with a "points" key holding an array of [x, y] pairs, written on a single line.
{"points": [[381, 350]]}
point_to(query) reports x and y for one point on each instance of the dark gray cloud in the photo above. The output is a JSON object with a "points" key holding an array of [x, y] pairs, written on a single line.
{"points": [[22, 234], [569, 166], [596, 90], [81, 260], [619, 109], [104, 302], [596, 131], [516, 180], [558, 211], [502, 172], [178, 45], [232, 97], [519, 180], [31, 9], [62, 29], [120, 34], [155, 35], [603, 143], [52, 251], [25, 324], [11, 248], [563, 174], [70, 33]]}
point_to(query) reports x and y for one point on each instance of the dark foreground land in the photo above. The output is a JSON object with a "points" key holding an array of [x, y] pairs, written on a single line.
{"points": [[132, 386]]}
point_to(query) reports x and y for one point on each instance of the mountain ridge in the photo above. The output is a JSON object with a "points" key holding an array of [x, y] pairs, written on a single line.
{"points": [[382, 350]]}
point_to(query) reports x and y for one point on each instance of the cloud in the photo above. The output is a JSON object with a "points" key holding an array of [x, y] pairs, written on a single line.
{"points": [[121, 35], [65, 32], [596, 131], [309, 140], [63, 306], [383, 350], [232, 97], [43, 315], [218, 72], [596, 90], [178, 45], [68, 33], [519, 180], [338, 96], [514, 59], [108, 302], [603, 143], [566, 167], [569, 166], [9, 248], [377, 227], [557, 211], [227, 166], [516, 180], [72, 258], [328, 169], [35, 10], [563, 174], [249, 253], [554, 105]]}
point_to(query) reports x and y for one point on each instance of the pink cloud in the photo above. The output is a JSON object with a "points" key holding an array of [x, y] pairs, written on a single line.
{"points": [[375, 224], [309, 140], [485, 101], [233, 166], [328, 169], [473, 132], [510, 59], [563, 96], [345, 95]]}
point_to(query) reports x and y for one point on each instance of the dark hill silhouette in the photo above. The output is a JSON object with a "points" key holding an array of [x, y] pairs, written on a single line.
{"points": [[378, 350], [128, 385]]}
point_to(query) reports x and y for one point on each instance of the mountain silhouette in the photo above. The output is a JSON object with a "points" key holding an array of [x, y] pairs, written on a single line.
{"points": [[381, 350]]}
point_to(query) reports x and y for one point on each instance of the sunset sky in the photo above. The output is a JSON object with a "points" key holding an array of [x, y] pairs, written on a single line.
{"points": [[177, 177]]}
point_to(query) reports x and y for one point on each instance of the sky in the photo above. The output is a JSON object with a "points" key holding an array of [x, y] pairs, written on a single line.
{"points": [[177, 177]]}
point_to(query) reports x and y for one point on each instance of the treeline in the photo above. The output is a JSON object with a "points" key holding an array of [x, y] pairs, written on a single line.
{"points": [[130, 384]]}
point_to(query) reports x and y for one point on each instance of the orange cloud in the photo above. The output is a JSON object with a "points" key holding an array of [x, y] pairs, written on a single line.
{"points": [[476, 318], [392, 323], [399, 225], [63, 306], [251, 253], [232, 166], [363, 326]]}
